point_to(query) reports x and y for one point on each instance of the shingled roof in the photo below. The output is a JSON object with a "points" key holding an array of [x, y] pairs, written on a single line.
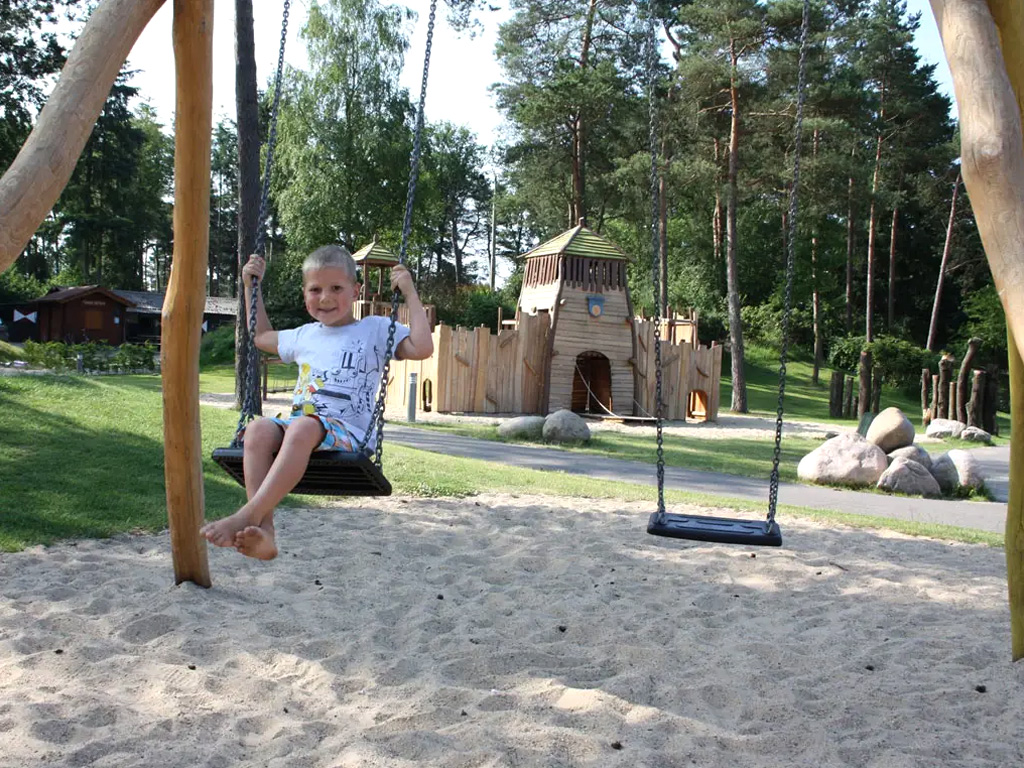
{"points": [[579, 241], [64, 295], [152, 302], [375, 254]]}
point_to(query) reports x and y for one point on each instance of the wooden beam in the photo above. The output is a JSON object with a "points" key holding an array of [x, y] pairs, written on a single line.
{"points": [[992, 157], [42, 168], [186, 291]]}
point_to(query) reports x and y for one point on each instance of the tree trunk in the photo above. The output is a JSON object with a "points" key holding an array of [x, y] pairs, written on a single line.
{"points": [[990, 401], [891, 317], [716, 221], [739, 382], [848, 399], [849, 251], [934, 323], [961, 379], [872, 233], [579, 139], [247, 119]]}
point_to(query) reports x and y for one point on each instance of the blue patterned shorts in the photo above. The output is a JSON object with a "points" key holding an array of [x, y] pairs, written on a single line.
{"points": [[336, 437]]}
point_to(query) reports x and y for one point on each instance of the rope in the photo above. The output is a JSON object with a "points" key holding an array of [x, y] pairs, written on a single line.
{"points": [[801, 96]]}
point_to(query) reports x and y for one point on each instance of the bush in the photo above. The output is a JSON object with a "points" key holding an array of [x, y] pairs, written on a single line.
{"points": [[897, 361], [218, 346], [97, 357]]}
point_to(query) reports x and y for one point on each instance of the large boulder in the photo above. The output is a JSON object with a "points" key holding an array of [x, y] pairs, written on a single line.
{"points": [[907, 476], [564, 426], [522, 427], [845, 460], [976, 435], [942, 428], [890, 430], [914, 453], [955, 469]]}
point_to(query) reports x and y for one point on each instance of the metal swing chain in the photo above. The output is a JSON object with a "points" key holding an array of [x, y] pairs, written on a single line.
{"points": [[252, 368], [801, 91], [377, 419], [652, 135]]}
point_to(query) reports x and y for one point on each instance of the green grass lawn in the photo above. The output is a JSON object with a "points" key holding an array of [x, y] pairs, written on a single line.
{"points": [[82, 457]]}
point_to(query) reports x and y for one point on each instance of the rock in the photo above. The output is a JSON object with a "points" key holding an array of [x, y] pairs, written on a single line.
{"points": [[955, 469], [528, 427], [976, 435], [945, 428], [890, 430], [908, 476], [564, 426], [845, 460], [914, 453]]}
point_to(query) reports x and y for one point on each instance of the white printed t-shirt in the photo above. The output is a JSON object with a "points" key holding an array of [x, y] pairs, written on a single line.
{"points": [[339, 369]]}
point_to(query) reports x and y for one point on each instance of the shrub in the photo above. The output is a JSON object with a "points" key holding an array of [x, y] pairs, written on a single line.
{"points": [[96, 356], [897, 361], [218, 346]]}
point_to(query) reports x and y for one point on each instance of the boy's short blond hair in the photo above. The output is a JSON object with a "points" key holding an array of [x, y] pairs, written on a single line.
{"points": [[336, 256]]}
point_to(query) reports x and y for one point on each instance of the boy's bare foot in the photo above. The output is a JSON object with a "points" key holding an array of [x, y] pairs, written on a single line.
{"points": [[256, 542], [221, 533]]}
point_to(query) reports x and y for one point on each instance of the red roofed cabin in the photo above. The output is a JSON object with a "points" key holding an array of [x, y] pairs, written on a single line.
{"points": [[85, 313]]}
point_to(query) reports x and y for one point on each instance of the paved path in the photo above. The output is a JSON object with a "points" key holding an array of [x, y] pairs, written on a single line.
{"points": [[985, 516]]}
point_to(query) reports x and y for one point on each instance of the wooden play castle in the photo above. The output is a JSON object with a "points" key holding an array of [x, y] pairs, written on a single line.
{"points": [[575, 343]]}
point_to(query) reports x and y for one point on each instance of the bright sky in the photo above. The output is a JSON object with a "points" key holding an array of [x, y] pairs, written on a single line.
{"points": [[461, 69]]}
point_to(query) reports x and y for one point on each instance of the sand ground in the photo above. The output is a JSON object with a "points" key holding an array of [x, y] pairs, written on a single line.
{"points": [[510, 631]]}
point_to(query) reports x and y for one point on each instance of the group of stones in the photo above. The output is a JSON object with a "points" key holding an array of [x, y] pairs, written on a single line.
{"points": [[562, 426], [887, 458]]}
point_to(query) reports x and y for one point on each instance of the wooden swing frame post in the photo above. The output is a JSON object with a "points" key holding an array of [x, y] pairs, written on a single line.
{"points": [[982, 41], [185, 299]]}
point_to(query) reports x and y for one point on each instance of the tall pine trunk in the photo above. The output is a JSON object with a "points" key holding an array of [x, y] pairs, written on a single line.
{"points": [[739, 382], [247, 116], [578, 208], [934, 323], [815, 288], [849, 250], [891, 316]]}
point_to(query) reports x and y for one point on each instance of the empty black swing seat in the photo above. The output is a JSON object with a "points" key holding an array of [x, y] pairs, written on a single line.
{"points": [[723, 530], [329, 473]]}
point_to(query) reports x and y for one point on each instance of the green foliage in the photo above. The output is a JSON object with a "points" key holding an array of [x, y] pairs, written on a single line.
{"points": [[986, 321], [218, 346], [16, 287], [97, 356], [897, 361], [473, 306]]}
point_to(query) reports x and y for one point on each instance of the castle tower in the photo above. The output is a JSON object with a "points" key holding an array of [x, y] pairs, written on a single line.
{"points": [[579, 280]]}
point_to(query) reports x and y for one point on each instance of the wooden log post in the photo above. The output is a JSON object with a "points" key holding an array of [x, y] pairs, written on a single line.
{"points": [[974, 405], [945, 375], [952, 400], [184, 303], [34, 181], [848, 399], [835, 396], [864, 390], [990, 401], [976, 36], [926, 411], [935, 397], [876, 393], [961, 379]]}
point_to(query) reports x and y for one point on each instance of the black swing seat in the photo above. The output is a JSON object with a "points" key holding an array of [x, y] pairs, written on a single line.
{"points": [[723, 530], [329, 473]]}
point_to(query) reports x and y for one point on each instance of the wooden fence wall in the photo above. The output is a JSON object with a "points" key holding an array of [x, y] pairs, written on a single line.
{"points": [[475, 371]]}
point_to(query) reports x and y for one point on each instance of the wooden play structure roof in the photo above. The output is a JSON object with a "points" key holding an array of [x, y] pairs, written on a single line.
{"points": [[578, 241], [375, 255]]}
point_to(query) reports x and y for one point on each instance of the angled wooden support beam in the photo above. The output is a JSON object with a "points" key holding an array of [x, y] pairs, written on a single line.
{"points": [[42, 168]]}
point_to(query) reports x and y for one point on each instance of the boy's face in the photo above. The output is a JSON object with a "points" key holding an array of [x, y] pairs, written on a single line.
{"points": [[329, 295]]}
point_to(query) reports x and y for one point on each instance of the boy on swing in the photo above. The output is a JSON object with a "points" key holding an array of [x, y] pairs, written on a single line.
{"points": [[340, 362]]}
